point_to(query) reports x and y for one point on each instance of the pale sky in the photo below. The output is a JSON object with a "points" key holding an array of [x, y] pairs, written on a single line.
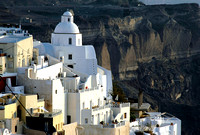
{"points": [[152, 2]]}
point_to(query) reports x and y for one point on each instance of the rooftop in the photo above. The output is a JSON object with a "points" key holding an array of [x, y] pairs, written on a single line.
{"points": [[47, 114], [143, 107], [11, 39]]}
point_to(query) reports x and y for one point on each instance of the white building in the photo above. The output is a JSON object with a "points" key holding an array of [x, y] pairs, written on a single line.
{"points": [[158, 123], [68, 78]]}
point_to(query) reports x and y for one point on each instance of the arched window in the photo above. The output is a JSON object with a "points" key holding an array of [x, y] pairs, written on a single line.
{"points": [[70, 41], [68, 19]]}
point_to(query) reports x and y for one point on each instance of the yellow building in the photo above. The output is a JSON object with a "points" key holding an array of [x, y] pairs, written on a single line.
{"points": [[2, 63], [48, 122], [12, 112], [18, 49], [8, 107], [31, 103]]}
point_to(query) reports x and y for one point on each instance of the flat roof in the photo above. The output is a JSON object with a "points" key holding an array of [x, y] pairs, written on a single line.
{"points": [[144, 106], [12, 39]]}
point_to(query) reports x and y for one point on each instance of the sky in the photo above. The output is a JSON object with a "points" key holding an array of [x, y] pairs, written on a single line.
{"points": [[153, 2]]}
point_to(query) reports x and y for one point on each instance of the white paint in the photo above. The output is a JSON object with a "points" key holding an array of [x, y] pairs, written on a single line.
{"points": [[14, 89], [73, 81], [167, 125]]}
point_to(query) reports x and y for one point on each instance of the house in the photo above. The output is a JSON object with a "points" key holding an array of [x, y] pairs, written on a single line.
{"points": [[68, 77]]}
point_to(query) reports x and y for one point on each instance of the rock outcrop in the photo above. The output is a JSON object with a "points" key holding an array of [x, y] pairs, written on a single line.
{"points": [[160, 32]]}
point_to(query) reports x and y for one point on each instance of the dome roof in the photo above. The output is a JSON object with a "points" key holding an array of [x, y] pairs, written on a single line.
{"points": [[67, 13], [66, 27]]}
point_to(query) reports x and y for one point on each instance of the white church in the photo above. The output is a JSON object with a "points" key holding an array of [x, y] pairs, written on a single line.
{"points": [[68, 78]]}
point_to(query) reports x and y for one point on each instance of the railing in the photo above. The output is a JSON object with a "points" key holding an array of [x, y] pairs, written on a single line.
{"points": [[120, 105], [101, 108], [125, 104], [82, 90], [115, 125], [89, 89], [111, 105], [120, 124], [47, 114]]}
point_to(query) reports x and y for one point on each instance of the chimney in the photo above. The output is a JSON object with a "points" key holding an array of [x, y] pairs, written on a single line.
{"points": [[140, 98]]}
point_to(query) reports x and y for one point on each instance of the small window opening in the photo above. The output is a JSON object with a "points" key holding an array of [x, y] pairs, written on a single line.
{"points": [[86, 120], [1, 51], [15, 128], [124, 115], [70, 56], [68, 19], [71, 66], [70, 41], [31, 110]]}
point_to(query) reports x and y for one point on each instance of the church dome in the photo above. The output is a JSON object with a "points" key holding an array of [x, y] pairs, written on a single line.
{"points": [[67, 24], [67, 13], [66, 27]]}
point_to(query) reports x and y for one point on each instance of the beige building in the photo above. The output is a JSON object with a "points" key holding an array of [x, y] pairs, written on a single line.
{"points": [[18, 50], [13, 115], [2, 63]]}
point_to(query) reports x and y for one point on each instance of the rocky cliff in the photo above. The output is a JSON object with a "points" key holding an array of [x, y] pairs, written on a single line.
{"points": [[160, 32]]}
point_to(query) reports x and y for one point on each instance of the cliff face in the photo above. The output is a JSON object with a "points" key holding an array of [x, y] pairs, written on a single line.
{"points": [[151, 32], [162, 43]]}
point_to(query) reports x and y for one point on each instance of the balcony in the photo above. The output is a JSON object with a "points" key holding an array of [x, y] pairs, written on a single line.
{"points": [[114, 125], [47, 114], [82, 90], [120, 105]]}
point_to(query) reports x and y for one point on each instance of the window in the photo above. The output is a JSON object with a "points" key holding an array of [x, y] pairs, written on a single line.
{"points": [[58, 126], [90, 104], [70, 56], [1, 51], [83, 105], [68, 19], [98, 102], [68, 119], [71, 66], [56, 91], [70, 41], [31, 110], [15, 114], [124, 115], [86, 120], [79, 41], [15, 128]]}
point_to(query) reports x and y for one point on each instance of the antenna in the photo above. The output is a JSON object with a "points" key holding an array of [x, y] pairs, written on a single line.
{"points": [[15, 96]]}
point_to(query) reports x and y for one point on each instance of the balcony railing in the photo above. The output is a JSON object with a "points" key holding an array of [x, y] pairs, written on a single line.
{"points": [[115, 125], [118, 105], [47, 114], [82, 90], [101, 108], [121, 105]]}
